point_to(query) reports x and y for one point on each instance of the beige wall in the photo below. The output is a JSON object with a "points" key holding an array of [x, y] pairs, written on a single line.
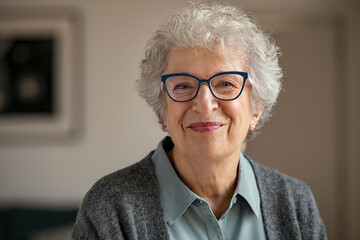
{"points": [[353, 120], [117, 128]]}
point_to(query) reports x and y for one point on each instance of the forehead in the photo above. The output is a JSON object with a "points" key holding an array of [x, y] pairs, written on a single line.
{"points": [[204, 62]]}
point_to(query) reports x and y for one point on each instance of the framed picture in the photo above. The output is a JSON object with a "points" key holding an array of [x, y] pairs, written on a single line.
{"points": [[40, 74]]}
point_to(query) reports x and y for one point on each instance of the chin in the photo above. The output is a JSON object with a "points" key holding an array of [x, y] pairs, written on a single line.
{"points": [[207, 146]]}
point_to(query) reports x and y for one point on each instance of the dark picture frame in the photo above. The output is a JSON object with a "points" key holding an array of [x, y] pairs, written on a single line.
{"points": [[40, 74]]}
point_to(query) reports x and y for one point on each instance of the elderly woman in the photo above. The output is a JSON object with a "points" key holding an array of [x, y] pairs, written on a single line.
{"points": [[212, 77]]}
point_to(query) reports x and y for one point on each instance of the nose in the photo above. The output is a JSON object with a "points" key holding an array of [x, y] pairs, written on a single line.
{"points": [[205, 102]]}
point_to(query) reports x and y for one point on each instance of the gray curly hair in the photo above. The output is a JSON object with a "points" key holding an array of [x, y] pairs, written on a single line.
{"points": [[208, 26]]}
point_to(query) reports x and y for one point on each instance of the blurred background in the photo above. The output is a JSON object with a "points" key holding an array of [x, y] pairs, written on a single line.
{"points": [[70, 114]]}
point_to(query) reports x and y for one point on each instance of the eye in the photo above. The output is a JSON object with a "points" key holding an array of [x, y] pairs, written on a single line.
{"points": [[182, 86], [225, 84]]}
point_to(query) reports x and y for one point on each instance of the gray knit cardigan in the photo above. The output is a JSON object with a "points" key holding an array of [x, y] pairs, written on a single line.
{"points": [[127, 205]]}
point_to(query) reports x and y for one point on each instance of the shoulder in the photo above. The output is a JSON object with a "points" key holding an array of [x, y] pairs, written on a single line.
{"points": [[275, 181], [287, 202], [278, 188], [123, 203], [124, 184]]}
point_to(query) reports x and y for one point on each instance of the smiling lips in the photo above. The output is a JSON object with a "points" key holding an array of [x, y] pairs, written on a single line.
{"points": [[205, 126]]}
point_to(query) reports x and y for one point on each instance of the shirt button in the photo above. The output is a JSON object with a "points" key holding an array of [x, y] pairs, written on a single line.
{"points": [[234, 200], [201, 201]]}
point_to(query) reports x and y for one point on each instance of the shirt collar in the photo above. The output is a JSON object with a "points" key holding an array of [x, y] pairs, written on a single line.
{"points": [[177, 197], [247, 186]]}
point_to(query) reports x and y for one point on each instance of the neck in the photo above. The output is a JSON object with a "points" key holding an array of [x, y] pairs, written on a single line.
{"points": [[214, 180]]}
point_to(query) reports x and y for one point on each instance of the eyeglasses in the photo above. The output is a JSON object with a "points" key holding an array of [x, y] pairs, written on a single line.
{"points": [[225, 86]]}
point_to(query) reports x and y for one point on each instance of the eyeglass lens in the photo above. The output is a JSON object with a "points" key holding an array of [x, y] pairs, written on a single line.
{"points": [[184, 88]]}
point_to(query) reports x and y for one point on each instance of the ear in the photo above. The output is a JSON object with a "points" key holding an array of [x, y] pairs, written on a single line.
{"points": [[165, 125], [255, 119]]}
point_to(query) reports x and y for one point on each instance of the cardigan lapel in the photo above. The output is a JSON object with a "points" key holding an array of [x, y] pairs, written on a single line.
{"points": [[277, 208]]}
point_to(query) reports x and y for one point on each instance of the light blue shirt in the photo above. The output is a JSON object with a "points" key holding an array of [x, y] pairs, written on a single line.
{"points": [[188, 216]]}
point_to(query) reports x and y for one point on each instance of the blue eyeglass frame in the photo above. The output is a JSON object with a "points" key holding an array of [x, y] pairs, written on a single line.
{"points": [[200, 81]]}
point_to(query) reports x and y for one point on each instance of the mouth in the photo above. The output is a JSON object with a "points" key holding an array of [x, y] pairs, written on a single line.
{"points": [[205, 126]]}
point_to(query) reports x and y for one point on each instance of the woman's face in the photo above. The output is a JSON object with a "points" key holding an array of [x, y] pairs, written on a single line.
{"points": [[205, 126]]}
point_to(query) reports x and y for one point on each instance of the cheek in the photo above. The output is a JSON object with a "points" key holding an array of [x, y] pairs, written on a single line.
{"points": [[173, 115], [239, 113]]}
